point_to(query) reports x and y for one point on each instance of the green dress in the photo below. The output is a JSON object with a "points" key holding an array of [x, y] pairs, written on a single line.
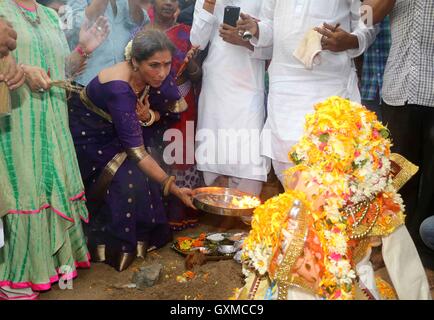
{"points": [[42, 196]]}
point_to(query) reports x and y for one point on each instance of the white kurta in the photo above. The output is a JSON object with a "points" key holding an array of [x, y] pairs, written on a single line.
{"points": [[231, 102], [293, 89]]}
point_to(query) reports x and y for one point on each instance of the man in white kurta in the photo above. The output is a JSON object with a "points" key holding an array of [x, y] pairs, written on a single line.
{"points": [[294, 89], [231, 111]]}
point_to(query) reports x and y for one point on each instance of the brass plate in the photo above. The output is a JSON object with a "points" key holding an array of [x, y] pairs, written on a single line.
{"points": [[217, 200]]}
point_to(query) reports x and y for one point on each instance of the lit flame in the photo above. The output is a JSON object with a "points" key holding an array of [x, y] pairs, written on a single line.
{"points": [[246, 202]]}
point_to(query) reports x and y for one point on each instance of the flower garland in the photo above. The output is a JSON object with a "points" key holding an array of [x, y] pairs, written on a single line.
{"points": [[270, 229], [344, 157], [128, 50], [342, 161]]}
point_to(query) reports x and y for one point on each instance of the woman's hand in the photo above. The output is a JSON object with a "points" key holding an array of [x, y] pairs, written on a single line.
{"points": [[91, 37], [189, 63], [184, 194], [13, 74], [37, 79], [142, 109], [191, 54]]}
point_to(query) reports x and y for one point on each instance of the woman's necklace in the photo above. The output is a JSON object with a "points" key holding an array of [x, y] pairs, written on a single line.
{"points": [[144, 91], [36, 21]]}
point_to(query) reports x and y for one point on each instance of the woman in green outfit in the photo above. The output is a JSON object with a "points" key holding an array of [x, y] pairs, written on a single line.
{"points": [[42, 196]]}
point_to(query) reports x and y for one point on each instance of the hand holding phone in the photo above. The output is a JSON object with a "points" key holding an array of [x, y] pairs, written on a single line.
{"points": [[231, 15]]}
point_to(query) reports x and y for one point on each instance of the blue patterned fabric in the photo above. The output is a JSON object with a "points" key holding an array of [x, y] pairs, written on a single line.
{"points": [[374, 64]]}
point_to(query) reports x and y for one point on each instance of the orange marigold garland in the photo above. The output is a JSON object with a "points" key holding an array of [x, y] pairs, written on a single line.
{"points": [[342, 162]]}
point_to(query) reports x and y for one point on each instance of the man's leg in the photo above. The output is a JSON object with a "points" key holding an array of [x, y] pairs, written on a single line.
{"points": [[374, 105], [425, 201], [280, 168], [249, 186], [210, 177], [405, 125]]}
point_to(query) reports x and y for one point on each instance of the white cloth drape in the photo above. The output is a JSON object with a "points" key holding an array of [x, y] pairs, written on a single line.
{"points": [[294, 89], [403, 266], [231, 110]]}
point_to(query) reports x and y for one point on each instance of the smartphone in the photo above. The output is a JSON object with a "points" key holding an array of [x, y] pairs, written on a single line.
{"points": [[232, 15]]}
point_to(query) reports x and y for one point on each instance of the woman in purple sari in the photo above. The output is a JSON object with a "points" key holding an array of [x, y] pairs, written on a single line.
{"points": [[124, 184]]}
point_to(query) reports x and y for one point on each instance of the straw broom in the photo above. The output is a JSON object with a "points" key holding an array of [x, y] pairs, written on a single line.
{"points": [[5, 98]]}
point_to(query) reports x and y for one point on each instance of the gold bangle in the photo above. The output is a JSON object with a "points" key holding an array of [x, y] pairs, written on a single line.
{"points": [[198, 69], [137, 154], [151, 121], [166, 185]]}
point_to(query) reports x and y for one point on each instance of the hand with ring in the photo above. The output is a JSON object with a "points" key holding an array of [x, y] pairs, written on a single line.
{"points": [[336, 39], [36, 78], [231, 35], [92, 36], [248, 24]]}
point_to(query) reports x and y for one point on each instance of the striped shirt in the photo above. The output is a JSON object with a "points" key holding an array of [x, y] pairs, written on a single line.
{"points": [[374, 63], [409, 75]]}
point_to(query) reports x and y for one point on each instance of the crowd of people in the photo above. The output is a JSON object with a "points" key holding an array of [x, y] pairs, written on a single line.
{"points": [[101, 89]]}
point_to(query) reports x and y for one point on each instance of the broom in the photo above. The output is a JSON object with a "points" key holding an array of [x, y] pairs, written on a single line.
{"points": [[5, 98]]}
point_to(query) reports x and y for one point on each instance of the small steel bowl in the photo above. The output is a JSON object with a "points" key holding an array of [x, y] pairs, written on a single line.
{"points": [[227, 249]]}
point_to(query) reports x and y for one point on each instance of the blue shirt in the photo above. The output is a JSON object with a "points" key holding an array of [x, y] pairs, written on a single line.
{"points": [[113, 48], [374, 63]]}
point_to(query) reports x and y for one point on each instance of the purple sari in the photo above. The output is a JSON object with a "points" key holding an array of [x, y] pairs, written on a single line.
{"points": [[131, 210]]}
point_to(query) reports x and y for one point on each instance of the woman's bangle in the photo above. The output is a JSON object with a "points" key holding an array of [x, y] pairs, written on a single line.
{"points": [[196, 72], [167, 183], [81, 52], [151, 121]]}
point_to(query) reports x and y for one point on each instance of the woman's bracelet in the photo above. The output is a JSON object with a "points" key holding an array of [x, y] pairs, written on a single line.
{"points": [[196, 72], [167, 183], [151, 121], [81, 52]]}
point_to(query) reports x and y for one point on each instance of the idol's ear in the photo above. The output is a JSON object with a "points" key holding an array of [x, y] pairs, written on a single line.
{"points": [[402, 170]]}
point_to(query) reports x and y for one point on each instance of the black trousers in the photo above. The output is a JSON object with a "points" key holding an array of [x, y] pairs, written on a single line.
{"points": [[412, 129]]}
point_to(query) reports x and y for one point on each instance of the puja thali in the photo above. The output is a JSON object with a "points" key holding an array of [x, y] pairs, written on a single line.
{"points": [[215, 246], [225, 201]]}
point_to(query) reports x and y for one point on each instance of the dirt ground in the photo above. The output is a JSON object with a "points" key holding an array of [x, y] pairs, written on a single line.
{"points": [[214, 281]]}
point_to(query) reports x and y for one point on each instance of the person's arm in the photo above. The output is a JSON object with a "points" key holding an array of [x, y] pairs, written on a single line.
{"points": [[8, 38], [204, 23], [380, 9], [136, 12], [261, 29], [230, 35], [365, 33], [354, 41], [90, 38], [122, 107], [76, 17], [96, 8], [11, 73]]}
